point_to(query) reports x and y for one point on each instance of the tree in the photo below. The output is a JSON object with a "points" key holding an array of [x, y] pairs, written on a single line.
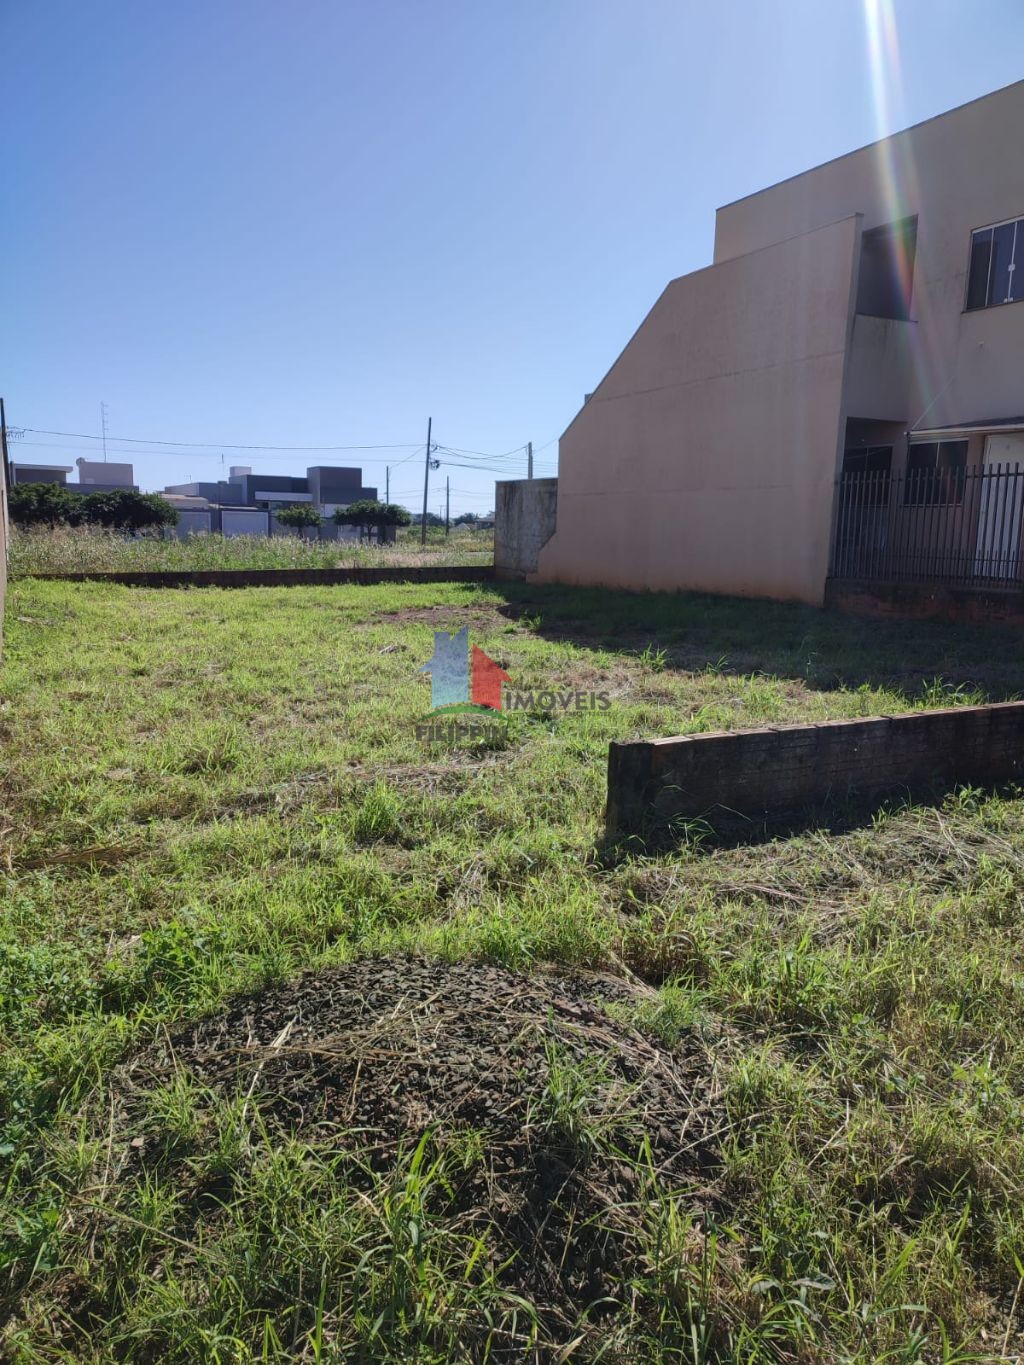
{"points": [[369, 514], [299, 514], [467, 519], [43, 504], [125, 509], [54, 504]]}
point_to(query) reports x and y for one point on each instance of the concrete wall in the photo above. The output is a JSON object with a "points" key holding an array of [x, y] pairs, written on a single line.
{"points": [[220, 492], [105, 474], [326, 531], [243, 521], [881, 369], [337, 486], [193, 521], [524, 521], [960, 171], [39, 473], [256, 521], [750, 776], [706, 457]]}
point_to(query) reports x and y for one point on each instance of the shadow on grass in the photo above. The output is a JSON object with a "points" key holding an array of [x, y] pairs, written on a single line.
{"points": [[826, 649], [721, 829]]}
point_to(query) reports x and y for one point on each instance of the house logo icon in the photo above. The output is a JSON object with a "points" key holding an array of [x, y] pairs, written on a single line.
{"points": [[451, 667]]}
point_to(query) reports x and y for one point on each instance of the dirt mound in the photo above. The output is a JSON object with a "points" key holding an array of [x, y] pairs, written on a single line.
{"points": [[577, 1114]]}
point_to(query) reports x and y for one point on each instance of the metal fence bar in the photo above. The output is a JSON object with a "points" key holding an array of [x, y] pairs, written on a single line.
{"points": [[931, 525]]}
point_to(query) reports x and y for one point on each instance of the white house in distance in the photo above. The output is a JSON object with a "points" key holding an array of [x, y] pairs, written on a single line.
{"points": [[840, 393]]}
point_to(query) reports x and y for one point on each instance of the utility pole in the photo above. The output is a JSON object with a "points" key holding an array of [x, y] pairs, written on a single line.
{"points": [[426, 485], [447, 504], [529, 459], [103, 421], [387, 484]]}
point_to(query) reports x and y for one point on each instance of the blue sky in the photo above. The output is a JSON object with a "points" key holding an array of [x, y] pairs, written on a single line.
{"points": [[260, 222]]}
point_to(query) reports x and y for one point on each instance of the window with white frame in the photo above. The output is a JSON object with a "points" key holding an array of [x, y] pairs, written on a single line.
{"points": [[996, 273]]}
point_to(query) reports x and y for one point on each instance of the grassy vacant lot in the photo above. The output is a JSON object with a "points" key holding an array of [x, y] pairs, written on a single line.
{"points": [[83, 549], [207, 792]]}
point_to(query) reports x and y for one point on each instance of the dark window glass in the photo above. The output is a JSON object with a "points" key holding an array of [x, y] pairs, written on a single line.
{"points": [[981, 256], [866, 475], [867, 460], [1002, 262], [887, 269], [996, 271], [936, 473]]}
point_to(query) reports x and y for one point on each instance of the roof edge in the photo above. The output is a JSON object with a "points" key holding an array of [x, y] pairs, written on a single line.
{"points": [[865, 146]]}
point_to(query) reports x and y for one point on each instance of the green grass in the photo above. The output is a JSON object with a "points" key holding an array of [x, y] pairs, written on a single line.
{"points": [[83, 549], [205, 791]]}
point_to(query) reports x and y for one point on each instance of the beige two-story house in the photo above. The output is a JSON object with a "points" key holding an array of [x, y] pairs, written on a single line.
{"points": [[841, 393]]}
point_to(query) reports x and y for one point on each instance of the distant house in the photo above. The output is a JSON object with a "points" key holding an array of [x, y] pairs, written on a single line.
{"points": [[327, 487], [39, 473], [94, 476], [102, 476], [841, 393], [246, 503]]}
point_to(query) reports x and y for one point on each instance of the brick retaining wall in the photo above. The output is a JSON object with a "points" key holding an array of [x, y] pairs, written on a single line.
{"points": [[920, 601], [276, 578], [729, 780]]}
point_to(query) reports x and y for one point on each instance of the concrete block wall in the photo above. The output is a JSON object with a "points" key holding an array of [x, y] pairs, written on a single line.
{"points": [[525, 513], [752, 776]]}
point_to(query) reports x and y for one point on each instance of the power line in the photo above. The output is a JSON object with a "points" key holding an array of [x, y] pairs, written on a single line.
{"points": [[456, 457], [538, 449], [405, 459], [481, 468], [474, 455], [216, 455], [198, 445], [484, 454], [212, 450]]}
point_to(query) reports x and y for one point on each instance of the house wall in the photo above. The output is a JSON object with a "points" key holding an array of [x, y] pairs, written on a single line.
{"points": [[337, 485], [957, 172], [220, 493], [107, 474], [193, 521], [881, 370], [27, 473], [706, 457], [244, 521]]}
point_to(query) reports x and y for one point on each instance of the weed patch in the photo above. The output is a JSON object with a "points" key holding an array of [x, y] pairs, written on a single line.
{"points": [[210, 802]]}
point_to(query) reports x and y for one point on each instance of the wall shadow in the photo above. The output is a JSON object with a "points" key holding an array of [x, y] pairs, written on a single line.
{"points": [[824, 648], [726, 829]]}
